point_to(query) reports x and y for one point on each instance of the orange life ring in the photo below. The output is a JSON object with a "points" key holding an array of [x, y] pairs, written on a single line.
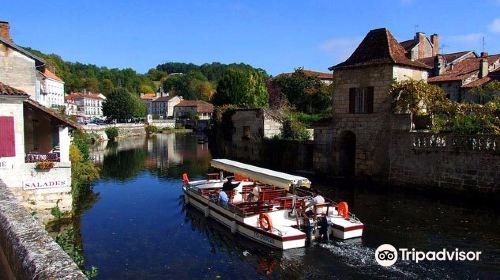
{"points": [[185, 178], [265, 221], [343, 209]]}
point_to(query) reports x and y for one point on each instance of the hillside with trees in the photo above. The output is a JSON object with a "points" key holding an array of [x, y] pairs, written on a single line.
{"points": [[193, 81], [79, 76]]}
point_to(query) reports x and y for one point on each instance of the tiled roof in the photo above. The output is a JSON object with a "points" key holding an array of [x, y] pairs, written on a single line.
{"points": [[148, 96], [38, 60], [33, 103], [76, 95], [201, 106], [8, 90], [463, 69], [379, 47], [318, 74], [409, 44], [50, 75], [321, 75], [164, 98], [448, 58], [492, 76]]}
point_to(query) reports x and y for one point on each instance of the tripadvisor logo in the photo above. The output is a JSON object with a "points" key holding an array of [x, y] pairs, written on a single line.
{"points": [[387, 255]]}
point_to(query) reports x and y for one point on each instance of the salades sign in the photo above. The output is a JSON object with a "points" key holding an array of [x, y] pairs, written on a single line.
{"points": [[45, 183]]}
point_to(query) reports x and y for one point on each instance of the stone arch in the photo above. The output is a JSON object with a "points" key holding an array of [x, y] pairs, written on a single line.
{"points": [[347, 154]]}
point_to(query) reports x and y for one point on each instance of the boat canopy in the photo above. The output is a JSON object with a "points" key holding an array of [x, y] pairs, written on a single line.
{"points": [[263, 175]]}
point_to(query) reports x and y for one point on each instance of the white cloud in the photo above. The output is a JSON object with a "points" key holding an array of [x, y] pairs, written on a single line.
{"points": [[340, 48], [495, 25]]}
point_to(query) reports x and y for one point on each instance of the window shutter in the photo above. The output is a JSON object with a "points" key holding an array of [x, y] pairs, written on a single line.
{"points": [[7, 138], [352, 100], [369, 100]]}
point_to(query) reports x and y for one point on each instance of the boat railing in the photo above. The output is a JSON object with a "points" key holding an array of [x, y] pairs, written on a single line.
{"points": [[213, 176]]}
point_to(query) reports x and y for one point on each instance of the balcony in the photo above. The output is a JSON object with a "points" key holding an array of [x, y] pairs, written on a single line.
{"points": [[37, 157]]}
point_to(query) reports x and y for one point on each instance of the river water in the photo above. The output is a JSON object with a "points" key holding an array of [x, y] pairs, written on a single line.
{"points": [[137, 226]]}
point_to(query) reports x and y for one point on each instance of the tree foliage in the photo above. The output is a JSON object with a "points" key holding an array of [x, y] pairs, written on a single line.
{"points": [[420, 98], [78, 76], [121, 104], [305, 92], [294, 130], [191, 86], [241, 88]]}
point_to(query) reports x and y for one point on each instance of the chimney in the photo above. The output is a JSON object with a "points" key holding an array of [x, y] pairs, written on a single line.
{"points": [[158, 92], [435, 44], [420, 36], [5, 31], [483, 67], [484, 54], [142, 94], [438, 65]]}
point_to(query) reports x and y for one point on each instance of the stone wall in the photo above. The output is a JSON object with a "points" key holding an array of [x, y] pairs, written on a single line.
{"points": [[369, 129], [163, 123], [17, 70], [30, 252], [124, 130], [368, 132], [461, 163]]}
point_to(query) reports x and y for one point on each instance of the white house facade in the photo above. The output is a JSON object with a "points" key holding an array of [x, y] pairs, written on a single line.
{"points": [[88, 105], [50, 89]]}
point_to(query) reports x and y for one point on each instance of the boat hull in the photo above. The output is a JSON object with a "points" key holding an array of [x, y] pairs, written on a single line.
{"points": [[237, 223]]}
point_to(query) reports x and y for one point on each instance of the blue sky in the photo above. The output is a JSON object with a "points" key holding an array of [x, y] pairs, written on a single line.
{"points": [[275, 35]]}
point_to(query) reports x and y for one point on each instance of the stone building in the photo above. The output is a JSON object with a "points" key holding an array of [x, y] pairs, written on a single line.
{"points": [[27, 72], [163, 105], [187, 108], [465, 73], [148, 98], [421, 46], [18, 67], [89, 105], [355, 142], [31, 134]]}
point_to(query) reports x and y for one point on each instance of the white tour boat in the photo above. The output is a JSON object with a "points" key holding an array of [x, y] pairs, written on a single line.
{"points": [[282, 217]]}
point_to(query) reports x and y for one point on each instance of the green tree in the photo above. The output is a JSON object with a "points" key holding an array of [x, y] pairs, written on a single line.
{"points": [[144, 88], [305, 92], [242, 88], [121, 104]]}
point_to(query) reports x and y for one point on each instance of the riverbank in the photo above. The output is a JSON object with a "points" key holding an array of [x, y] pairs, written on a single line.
{"points": [[129, 130]]}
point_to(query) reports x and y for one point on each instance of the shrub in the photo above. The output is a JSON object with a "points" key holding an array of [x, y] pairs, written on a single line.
{"points": [[294, 130], [179, 126], [81, 141], [151, 129], [112, 133]]}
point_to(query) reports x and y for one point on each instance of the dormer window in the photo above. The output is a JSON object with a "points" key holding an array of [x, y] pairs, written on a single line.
{"points": [[361, 100]]}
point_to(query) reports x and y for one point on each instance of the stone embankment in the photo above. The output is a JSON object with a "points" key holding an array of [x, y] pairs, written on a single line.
{"points": [[124, 129], [28, 250]]}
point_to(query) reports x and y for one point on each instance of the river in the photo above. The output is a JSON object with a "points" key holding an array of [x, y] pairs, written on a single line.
{"points": [[137, 226]]}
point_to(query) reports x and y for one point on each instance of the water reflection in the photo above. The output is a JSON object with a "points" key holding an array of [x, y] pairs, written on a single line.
{"points": [[139, 228]]}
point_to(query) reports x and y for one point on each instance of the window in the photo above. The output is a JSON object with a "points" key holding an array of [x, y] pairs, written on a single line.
{"points": [[7, 138], [361, 100]]}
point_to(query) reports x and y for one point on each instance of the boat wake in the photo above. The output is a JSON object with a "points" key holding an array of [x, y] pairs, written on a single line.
{"points": [[363, 258]]}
